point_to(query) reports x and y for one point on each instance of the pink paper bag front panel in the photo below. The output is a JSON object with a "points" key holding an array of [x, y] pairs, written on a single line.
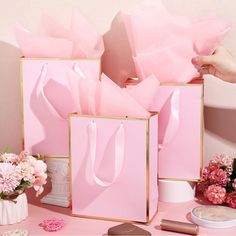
{"points": [[44, 132], [180, 136], [126, 198]]}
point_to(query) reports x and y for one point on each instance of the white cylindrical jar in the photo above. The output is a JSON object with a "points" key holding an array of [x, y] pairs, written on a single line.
{"points": [[176, 191]]}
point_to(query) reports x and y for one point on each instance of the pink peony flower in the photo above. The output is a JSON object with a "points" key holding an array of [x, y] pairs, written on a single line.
{"points": [[224, 161], [15, 168], [26, 171], [213, 166], [23, 156], [219, 177], [215, 194], [8, 157], [231, 199], [208, 169], [39, 166], [9, 178], [39, 182]]}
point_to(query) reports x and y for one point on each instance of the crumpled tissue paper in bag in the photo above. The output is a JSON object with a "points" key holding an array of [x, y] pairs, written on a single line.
{"points": [[88, 96]]}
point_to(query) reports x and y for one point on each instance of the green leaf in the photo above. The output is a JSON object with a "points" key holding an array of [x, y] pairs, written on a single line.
{"points": [[7, 150], [24, 184]]}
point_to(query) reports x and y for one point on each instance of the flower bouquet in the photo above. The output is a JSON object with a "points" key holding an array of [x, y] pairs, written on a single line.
{"points": [[18, 172], [218, 182]]}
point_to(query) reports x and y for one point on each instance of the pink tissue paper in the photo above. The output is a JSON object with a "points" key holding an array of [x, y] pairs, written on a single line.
{"points": [[164, 45], [81, 40]]}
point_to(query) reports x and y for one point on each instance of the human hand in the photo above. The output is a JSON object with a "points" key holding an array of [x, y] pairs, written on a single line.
{"points": [[221, 64]]}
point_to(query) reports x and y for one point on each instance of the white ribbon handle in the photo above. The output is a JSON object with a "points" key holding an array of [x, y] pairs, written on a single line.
{"points": [[76, 68], [119, 153], [43, 79], [170, 119]]}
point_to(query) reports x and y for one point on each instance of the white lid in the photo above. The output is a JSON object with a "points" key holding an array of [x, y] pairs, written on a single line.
{"points": [[214, 216]]}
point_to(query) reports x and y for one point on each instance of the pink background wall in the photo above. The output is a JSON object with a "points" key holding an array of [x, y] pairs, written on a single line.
{"points": [[220, 97]]}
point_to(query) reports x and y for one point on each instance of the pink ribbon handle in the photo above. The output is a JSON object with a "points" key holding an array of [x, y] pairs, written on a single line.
{"points": [[44, 79], [119, 155], [169, 119]]}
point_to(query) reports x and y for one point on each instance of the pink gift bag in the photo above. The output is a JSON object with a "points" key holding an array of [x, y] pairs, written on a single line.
{"points": [[114, 167], [44, 87], [180, 130], [180, 108]]}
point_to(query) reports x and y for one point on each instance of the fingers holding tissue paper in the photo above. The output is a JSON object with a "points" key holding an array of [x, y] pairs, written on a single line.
{"points": [[164, 45]]}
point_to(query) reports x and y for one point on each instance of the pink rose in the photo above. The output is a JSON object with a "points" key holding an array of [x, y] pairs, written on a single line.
{"points": [[9, 158], [39, 182], [224, 161], [208, 169], [215, 194], [213, 166], [231, 199], [23, 156], [218, 177]]}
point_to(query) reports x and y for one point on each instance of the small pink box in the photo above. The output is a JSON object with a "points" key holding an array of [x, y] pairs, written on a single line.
{"points": [[44, 132], [114, 167]]}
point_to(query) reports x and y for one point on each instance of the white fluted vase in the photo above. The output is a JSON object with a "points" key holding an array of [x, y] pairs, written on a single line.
{"points": [[12, 212]]}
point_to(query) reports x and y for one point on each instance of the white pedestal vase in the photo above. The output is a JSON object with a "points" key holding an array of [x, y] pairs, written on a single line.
{"points": [[58, 169], [174, 191], [12, 212]]}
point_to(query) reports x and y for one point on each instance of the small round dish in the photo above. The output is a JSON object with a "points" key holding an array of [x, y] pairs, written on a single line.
{"points": [[214, 216]]}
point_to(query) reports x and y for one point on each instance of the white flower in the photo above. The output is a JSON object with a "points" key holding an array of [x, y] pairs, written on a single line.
{"points": [[26, 171], [39, 165], [14, 169], [8, 157], [9, 178]]}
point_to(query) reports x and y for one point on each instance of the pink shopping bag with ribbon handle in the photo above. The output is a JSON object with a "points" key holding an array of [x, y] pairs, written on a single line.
{"points": [[47, 101], [180, 128], [114, 167]]}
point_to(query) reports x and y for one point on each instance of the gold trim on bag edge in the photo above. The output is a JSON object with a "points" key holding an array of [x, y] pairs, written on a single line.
{"points": [[113, 117], [148, 220], [202, 129], [22, 109], [147, 169], [173, 179], [22, 96], [194, 82]]}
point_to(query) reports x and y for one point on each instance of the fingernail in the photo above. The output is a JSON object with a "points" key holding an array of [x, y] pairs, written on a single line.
{"points": [[195, 60]]}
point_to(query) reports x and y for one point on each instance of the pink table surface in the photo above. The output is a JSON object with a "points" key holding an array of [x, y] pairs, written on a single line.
{"points": [[78, 226]]}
